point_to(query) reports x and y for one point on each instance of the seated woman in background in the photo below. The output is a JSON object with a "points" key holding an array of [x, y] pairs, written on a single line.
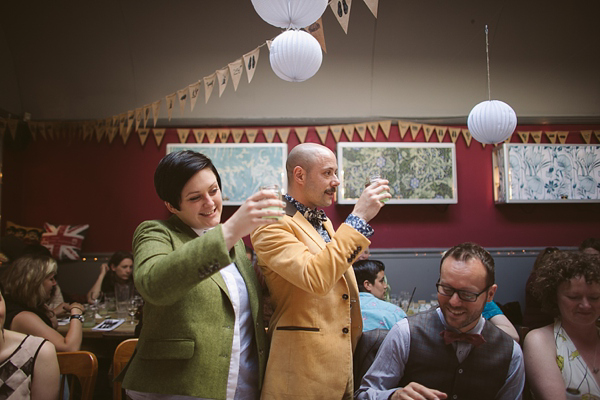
{"points": [[118, 271], [27, 285], [563, 357], [28, 365], [534, 317]]}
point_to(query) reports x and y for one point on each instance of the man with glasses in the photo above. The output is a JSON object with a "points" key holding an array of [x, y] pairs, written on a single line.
{"points": [[450, 352]]}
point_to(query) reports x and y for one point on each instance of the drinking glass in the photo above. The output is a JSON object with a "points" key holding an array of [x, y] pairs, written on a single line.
{"points": [[374, 177], [132, 308], [277, 190], [123, 295]]}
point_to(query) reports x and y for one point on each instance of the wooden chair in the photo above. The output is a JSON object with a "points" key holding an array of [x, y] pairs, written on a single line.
{"points": [[83, 365], [123, 353]]}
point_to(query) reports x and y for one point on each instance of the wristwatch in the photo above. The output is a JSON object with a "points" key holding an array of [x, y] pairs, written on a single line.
{"points": [[77, 316]]}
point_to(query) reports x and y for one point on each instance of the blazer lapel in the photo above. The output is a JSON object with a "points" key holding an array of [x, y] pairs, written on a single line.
{"points": [[310, 230]]}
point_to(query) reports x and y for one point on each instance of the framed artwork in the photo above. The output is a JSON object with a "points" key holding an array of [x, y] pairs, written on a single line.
{"points": [[243, 167], [546, 173], [419, 173]]}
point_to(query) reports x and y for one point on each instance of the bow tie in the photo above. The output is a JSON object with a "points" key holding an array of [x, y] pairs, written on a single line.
{"points": [[473, 338], [315, 217]]}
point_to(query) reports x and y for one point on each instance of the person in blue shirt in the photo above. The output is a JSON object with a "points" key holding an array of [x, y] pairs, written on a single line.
{"points": [[376, 313]]}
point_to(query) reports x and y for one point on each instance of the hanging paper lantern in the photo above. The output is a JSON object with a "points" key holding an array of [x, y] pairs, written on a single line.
{"points": [[295, 56], [290, 14], [492, 121]]}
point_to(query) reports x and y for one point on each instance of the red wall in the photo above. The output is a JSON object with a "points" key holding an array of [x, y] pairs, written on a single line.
{"points": [[110, 187]]}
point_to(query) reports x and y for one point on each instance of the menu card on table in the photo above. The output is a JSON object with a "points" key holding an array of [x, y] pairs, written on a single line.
{"points": [[108, 324]]}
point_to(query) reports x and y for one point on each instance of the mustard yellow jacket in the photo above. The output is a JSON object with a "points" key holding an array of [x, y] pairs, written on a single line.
{"points": [[316, 322]]}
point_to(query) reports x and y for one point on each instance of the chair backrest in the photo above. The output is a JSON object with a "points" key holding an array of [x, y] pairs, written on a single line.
{"points": [[83, 365], [365, 353], [122, 356]]}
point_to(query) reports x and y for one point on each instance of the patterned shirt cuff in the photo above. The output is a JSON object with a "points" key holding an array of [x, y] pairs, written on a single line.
{"points": [[360, 225]]}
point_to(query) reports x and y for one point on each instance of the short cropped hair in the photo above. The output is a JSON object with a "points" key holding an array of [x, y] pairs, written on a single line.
{"points": [[590, 243], [175, 170], [559, 267], [367, 270], [23, 281], [468, 251]]}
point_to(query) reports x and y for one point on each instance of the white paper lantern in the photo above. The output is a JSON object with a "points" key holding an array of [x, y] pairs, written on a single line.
{"points": [[492, 121], [295, 56], [290, 14]]}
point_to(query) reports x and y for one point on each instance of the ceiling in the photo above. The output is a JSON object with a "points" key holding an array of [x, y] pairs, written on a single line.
{"points": [[421, 60]]}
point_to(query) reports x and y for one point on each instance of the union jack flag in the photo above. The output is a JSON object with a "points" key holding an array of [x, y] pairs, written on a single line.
{"points": [[64, 241]]}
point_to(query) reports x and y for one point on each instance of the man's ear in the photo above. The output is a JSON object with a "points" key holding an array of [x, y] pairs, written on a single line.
{"points": [[299, 175], [491, 292], [171, 209], [368, 285]]}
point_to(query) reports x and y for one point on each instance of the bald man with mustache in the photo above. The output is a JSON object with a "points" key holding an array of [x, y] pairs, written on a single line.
{"points": [[307, 266]]}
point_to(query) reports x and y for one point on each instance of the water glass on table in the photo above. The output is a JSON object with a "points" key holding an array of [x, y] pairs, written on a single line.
{"points": [[123, 295]]}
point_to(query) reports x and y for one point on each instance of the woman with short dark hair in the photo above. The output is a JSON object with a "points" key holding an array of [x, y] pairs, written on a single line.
{"points": [[563, 358], [203, 334]]}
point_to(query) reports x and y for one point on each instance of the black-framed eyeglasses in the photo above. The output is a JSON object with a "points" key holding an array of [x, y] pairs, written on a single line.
{"points": [[462, 294]]}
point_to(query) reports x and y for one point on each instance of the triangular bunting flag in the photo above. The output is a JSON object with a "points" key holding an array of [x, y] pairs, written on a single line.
{"points": [[372, 4], [336, 131], [138, 118], [454, 133], [349, 131], [385, 127], [182, 95], [250, 61], [440, 132], [130, 121], [317, 31], [284, 133], [562, 136], [223, 135], [251, 135], [269, 134], [155, 110], [199, 135], [467, 136], [12, 127], [322, 133], [211, 134], [372, 128], [122, 123], [143, 135], [222, 78], [341, 9], [183, 134], [301, 133], [524, 136], [237, 134], [194, 90], [403, 127], [50, 128], [146, 114], [236, 69], [551, 136], [32, 129], [361, 129], [537, 136], [170, 104], [597, 134], [112, 134], [587, 136], [159, 135], [41, 129], [428, 131], [269, 44], [414, 131], [209, 84]]}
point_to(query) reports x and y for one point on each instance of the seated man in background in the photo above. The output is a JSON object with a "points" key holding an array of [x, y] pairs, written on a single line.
{"points": [[452, 351], [376, 313]]}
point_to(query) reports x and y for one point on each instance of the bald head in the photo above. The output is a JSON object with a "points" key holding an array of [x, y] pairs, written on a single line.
{"points": [[312, 175], [304, 155]]}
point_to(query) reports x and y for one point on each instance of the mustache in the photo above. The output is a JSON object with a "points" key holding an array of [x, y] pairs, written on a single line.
{"points": [[331, 190]]}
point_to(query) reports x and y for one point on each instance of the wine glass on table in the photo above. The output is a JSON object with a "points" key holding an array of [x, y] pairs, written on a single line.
{"points": [[132, 308]]}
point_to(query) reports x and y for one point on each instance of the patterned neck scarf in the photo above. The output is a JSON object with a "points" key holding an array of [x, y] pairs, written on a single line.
{"points": [[314, 216]]}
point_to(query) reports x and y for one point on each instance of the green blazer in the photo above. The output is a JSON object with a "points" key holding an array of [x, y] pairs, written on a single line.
{"points": [[185, 343]]}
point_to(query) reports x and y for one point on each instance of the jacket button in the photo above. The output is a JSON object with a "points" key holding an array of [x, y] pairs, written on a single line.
{"points": [[345, 330], [359, 248], [345, 296], [349, 259]]}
